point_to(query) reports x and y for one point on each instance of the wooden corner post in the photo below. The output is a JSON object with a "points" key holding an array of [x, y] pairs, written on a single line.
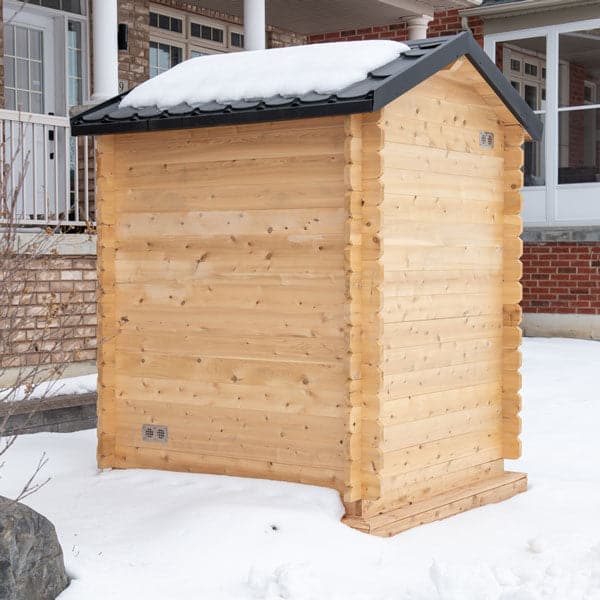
{"points": [[107, 321]]}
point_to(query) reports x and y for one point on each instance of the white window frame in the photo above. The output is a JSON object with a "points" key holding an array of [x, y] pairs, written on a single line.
{"points": [[554, 203]]}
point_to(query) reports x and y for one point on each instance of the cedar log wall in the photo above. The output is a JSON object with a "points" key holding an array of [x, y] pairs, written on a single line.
{"points": [[254, 235], [359, 322], [443, 324]]}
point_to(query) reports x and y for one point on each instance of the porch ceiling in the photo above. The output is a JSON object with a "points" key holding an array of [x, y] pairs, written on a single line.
{"points": [[318, 16]]}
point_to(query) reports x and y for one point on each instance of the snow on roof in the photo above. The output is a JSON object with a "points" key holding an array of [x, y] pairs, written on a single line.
{"points": [[292, 71]]}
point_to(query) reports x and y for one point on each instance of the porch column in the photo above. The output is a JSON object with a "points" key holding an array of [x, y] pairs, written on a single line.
{"points": [[254, 24], [106, 56], [417, 27]]}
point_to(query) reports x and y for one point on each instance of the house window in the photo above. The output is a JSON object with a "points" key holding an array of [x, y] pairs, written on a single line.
{"points": [[563, 172], [24, 69], [166, 22], [579, 138], [524, 62], [207, 33], [236, 39], [72, 6], [163, 57], [176, 36]]}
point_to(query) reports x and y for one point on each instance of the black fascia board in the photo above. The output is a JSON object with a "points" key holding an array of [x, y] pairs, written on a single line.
{"points": [[463, 44], [226, 117], [505, 91]]}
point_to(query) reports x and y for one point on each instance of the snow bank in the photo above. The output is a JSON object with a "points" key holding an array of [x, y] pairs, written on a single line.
{"points": [[293, 71], [69, 386], [156, 535]]}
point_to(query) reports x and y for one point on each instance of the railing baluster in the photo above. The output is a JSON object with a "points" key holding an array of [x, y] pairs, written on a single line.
{"points": [[75, 174], [55, 163], [33, 167], [11, 173], [86, 182], [67, 136], [45, 173], [22, 174]]}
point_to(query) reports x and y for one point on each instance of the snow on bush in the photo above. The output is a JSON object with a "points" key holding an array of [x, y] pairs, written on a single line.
{"points": [[292, 71], [68, 386]]}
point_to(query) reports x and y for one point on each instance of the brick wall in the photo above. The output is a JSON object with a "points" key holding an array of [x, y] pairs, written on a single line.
{"points": [[561, 277], [444, 23], [69, 280], [134, 63]]}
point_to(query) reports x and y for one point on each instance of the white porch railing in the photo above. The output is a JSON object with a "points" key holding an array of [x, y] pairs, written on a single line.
{"points": [[49, 174]]}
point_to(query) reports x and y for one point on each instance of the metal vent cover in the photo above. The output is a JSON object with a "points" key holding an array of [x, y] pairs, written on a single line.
{"points": [[155, 433], [486, 139]]}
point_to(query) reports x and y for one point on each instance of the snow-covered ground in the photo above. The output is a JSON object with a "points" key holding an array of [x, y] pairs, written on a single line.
{"points": [[156, 535]]}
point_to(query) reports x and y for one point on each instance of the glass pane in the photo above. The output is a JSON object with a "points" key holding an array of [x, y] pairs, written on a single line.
{"points": [[164, 61], [22, 74], [74, 35], [37, 103], [175, 56], [237, 40], [51, 3], [153, 55], [23, 101], [579, 53], [36, 76], [579, 146], [534, 159], [176, 25], [164, 22], [9, 40], [21, 42], [35, 44], [74, 91], [73, 6], [9, 98], [195, 30], [523, 62], [531, 96], [9, 72]]}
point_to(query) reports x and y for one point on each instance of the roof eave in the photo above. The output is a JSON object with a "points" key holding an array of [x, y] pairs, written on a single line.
{"points": [[520, 7], [232, 117]]}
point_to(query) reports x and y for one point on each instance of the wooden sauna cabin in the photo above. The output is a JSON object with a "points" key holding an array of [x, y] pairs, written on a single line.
{"points": [[321, 288]]}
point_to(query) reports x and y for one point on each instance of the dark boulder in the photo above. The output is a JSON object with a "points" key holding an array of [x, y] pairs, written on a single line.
{"points": [[31, 559]]}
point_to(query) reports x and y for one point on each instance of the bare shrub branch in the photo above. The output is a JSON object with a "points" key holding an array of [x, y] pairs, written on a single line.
{"points": [[34, 320]]}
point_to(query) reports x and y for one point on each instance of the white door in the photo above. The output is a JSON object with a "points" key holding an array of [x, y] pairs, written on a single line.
{"points": [[34, 147]]}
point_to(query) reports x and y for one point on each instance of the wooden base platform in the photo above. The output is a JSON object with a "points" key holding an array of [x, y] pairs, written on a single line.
{"points": [[439, 507]]}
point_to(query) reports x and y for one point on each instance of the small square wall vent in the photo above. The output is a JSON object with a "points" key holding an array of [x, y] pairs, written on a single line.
{"points": [[155, 433]]}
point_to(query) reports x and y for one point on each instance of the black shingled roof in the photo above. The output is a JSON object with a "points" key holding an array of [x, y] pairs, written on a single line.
{"points": [[382, 86]]}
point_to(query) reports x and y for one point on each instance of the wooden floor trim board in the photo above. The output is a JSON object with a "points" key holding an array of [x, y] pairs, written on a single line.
{"points": [[441, 506]]}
